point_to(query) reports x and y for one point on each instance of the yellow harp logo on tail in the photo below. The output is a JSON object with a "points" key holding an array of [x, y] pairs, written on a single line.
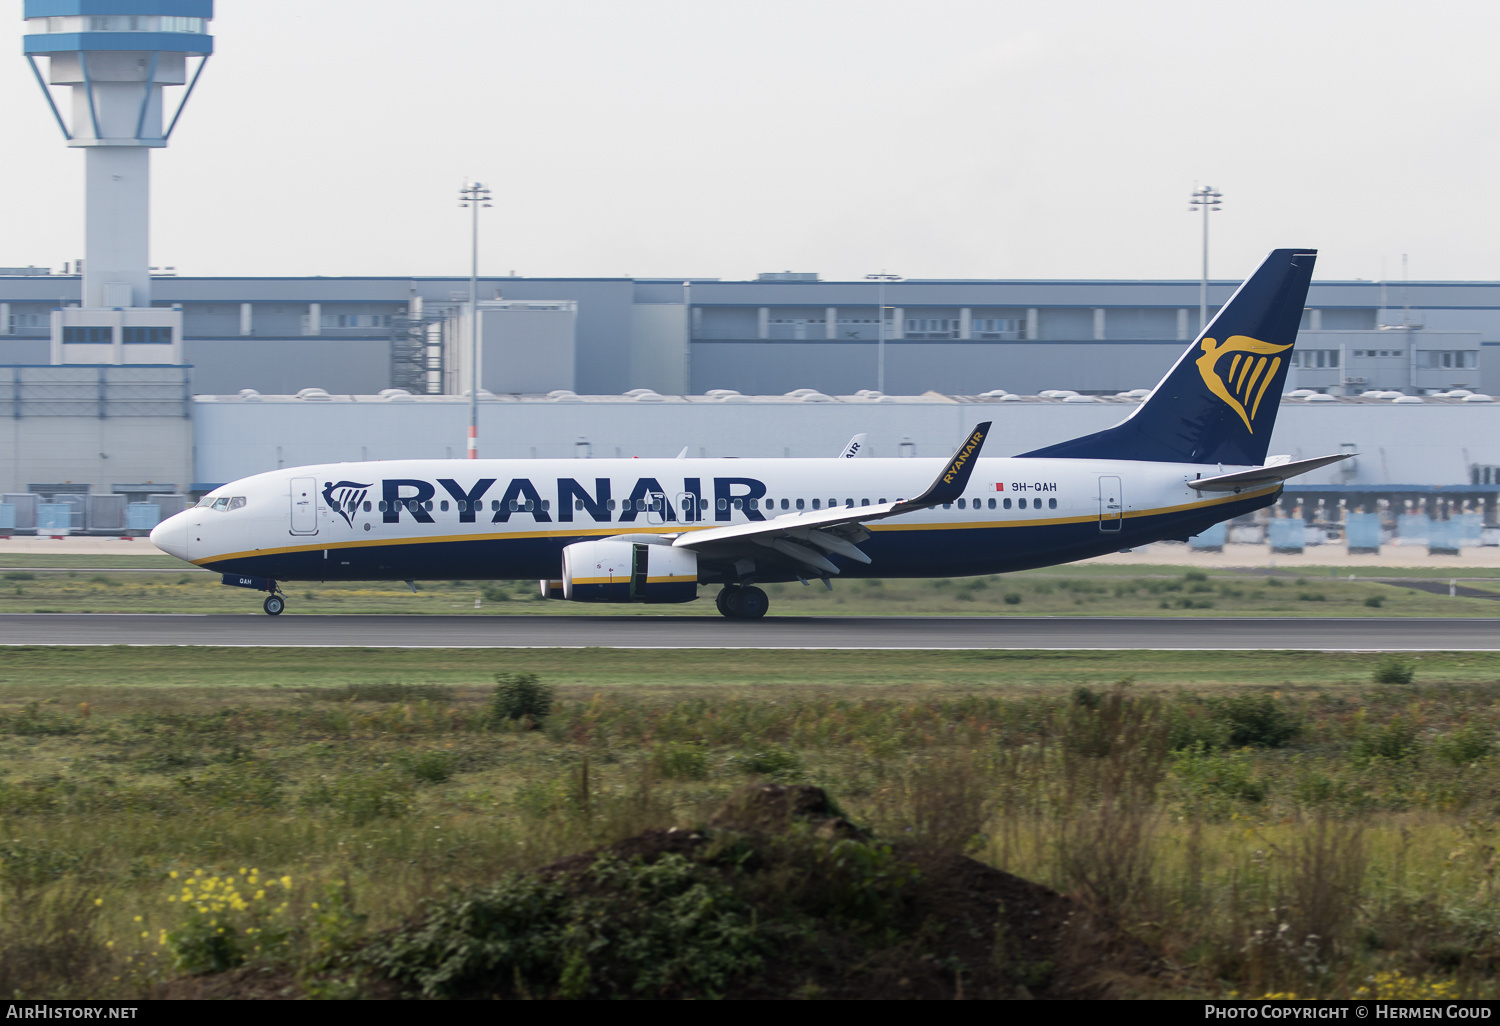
{"points": [[1252, 366]]}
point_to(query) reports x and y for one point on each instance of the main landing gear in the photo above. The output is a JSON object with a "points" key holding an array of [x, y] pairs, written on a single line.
{"points": [[742, 603], [274, 605]]}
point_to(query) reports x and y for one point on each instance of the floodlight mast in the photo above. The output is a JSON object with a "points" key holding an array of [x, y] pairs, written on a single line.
{"points": [[118, 58], [1207, 199], [472, 197], [882, 278]]}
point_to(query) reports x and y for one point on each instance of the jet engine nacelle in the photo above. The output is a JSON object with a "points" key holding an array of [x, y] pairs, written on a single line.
{"points": [[616, 570]]}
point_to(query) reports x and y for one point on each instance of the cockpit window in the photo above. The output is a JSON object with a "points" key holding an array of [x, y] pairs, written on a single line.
{"points": [[222, 503], [238, 502]]}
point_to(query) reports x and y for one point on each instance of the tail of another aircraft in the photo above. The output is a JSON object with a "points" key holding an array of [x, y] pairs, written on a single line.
{"points": [[1218, 403]]}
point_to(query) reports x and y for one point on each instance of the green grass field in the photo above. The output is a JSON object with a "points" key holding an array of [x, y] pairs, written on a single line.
{"points": [[1267, 822], [145, 584]]}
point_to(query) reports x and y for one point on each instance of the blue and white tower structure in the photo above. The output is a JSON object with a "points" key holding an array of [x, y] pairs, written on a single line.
{"points": [[117, 57]]}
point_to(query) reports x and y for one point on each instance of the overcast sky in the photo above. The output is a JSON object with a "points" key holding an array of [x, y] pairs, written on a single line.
{"points": [[666, 138]]}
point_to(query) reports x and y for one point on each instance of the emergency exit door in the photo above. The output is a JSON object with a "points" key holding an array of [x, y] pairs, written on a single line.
{"points": [[1111, 504]]}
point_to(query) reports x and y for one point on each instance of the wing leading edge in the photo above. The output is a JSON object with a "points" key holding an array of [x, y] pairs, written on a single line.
{"points": [[808, 537]]}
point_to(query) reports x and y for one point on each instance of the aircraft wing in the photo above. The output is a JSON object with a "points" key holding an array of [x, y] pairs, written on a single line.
{"points": [[806, 536], [1264, 475]]}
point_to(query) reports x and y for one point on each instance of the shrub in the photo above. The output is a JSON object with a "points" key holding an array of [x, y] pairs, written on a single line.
{"points": [[1394, 670], [1375, 601], [19, 575], [659, 930], [494, 593], [1257, 721], [520, 695], [1398, 739], [1465, 745], [1312, 596], [1012, 598]]}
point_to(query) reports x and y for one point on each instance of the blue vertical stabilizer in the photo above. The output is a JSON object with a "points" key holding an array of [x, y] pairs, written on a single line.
{"points": [[1218, 403]]}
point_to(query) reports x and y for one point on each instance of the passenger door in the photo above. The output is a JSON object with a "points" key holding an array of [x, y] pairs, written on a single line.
{"points": [[304, 505]]}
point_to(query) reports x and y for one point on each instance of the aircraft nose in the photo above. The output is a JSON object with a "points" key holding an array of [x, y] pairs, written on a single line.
{"points": [[171, 535]]}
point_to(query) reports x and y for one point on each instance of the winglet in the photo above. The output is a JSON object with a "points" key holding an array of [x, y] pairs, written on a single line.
{"points": [[950, 484]]}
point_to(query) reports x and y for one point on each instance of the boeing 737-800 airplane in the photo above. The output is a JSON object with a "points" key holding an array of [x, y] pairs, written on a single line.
{"points": [[654, 530]]}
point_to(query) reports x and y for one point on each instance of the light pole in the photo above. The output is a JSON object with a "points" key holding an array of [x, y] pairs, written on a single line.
{"points": [[1206, 198], [472, 197], [882, 278]]}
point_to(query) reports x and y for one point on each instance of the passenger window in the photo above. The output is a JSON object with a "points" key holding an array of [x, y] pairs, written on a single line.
{"points": [[947, 505], [992, 504], [799, 503], [495, 506], [739, 503], [962, 504], [882, 502], [750, 503], [443, 506], [815, 503], [864, 502], [367, 505], [783, 504], [1006, 504], [578, 505], [382, 505], [428, 505], [546, 505], [463, 506], [723, 503], [1051, 503], [611, 504]]}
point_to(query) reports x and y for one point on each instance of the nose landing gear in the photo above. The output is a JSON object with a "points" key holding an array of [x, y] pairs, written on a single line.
{"points": [[274, 605], [742, 603]]}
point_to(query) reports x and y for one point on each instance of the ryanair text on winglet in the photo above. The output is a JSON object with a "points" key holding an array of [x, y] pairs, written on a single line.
{"points": [[963, 457]]}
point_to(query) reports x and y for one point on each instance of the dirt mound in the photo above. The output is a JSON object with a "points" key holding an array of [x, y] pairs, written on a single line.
{"points": [[779, 896]]}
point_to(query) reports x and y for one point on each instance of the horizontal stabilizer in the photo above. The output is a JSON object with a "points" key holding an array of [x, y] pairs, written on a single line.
{"points": [[1264, 475]]}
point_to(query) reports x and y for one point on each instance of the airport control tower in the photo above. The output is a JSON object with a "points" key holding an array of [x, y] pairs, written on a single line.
{"points": [[117, 57]]}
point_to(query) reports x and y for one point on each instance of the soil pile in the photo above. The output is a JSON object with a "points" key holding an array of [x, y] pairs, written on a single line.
{"points": [[778, 896]]}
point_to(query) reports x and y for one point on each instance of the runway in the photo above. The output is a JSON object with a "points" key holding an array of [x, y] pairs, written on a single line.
{"points": [[777, 632]]}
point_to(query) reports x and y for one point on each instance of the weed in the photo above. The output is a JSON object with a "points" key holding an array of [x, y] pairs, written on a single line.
{"points": [[770, 761], [680, 760], [430, 767], [362, 797]]}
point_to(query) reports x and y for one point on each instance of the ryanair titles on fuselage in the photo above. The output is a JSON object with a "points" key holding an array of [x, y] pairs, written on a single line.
{"points": [[575, 500]]}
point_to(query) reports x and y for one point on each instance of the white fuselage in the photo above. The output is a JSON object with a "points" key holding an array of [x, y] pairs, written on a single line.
{"points": [[510, 519]]}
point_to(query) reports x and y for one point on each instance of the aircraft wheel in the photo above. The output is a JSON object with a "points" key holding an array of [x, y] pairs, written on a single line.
{"points": [[274, 605], [728, 601], [753, 604]]}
